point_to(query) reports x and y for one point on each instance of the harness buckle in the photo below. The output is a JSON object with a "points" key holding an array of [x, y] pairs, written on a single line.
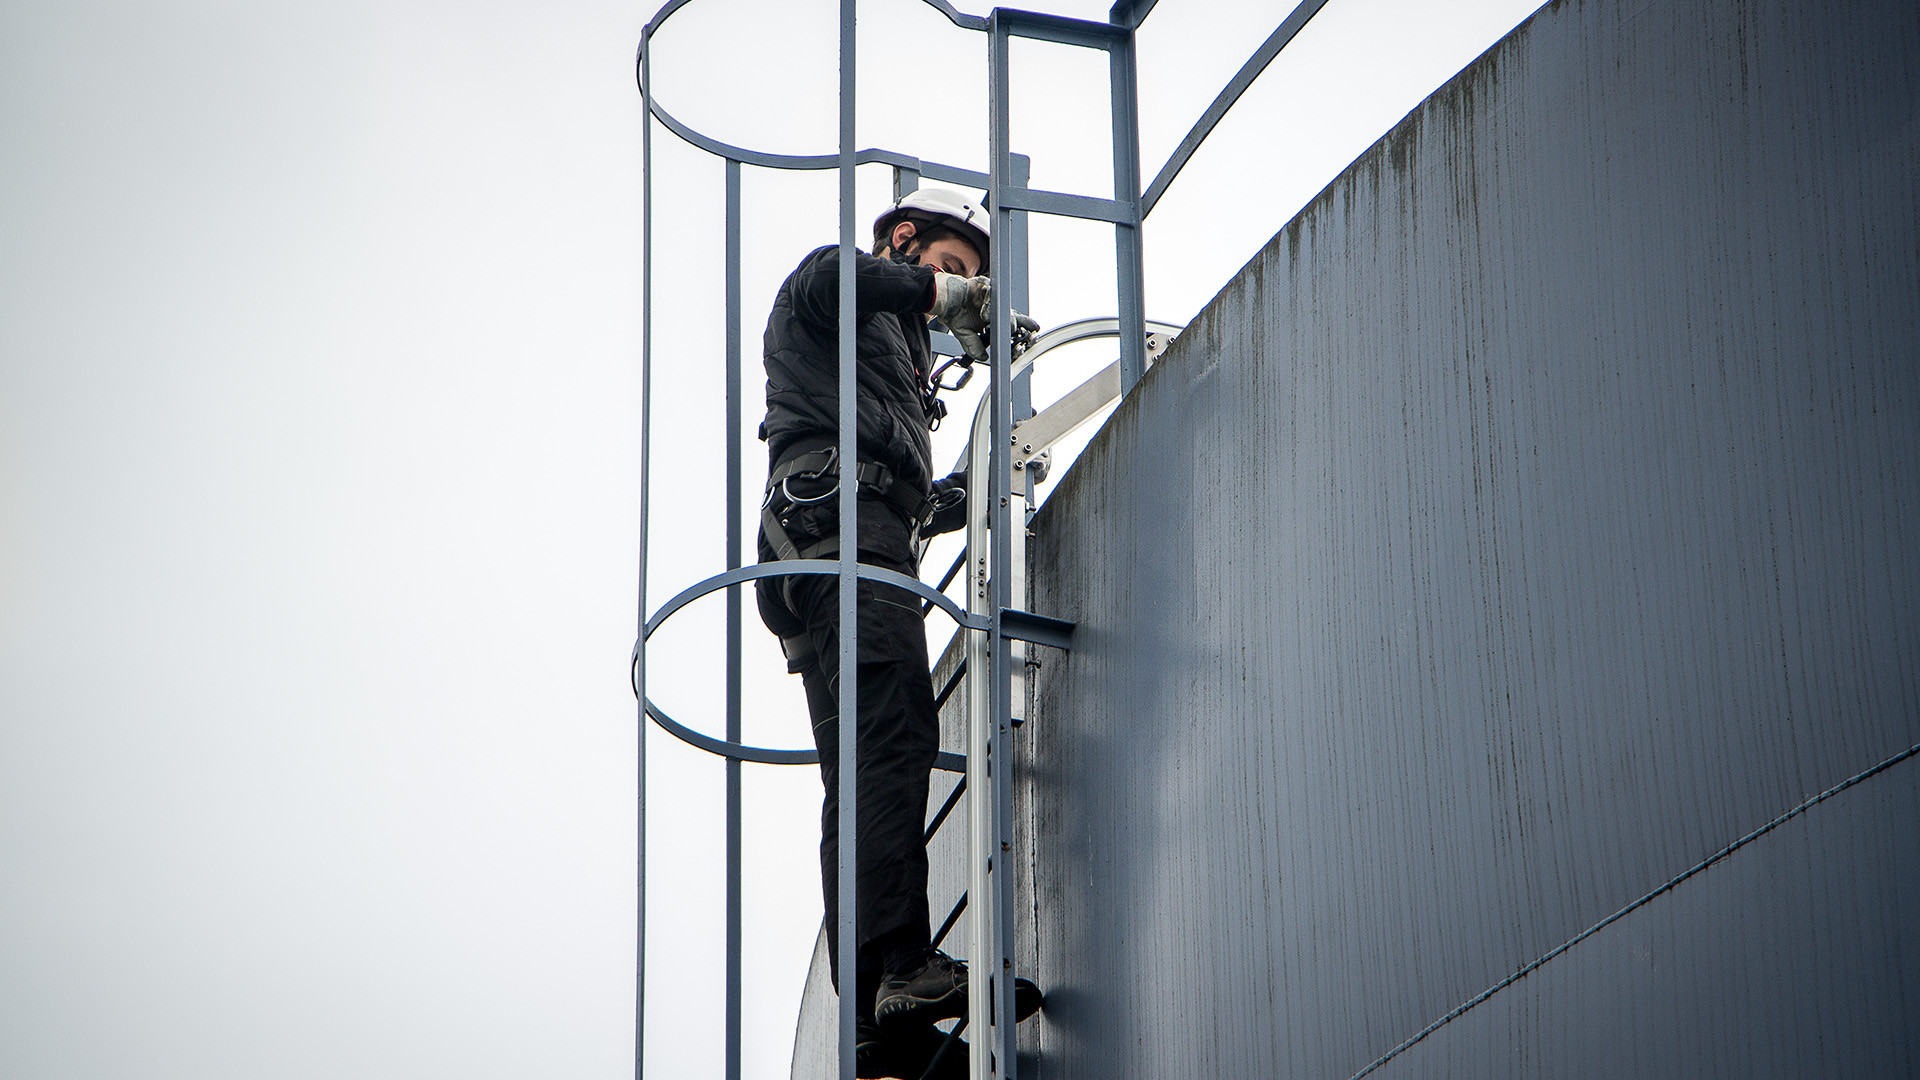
{"points": [[873, 476], [829, 467]]}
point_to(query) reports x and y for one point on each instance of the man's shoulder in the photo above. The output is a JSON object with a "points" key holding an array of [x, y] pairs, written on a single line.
{"points": [[815, 270]]}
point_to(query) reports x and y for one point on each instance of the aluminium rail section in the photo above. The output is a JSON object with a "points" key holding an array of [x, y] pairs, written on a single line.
{"points": [[993, 617]]}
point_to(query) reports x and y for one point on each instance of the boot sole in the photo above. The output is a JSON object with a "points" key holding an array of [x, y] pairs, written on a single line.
{"points": [[901, 1009]]}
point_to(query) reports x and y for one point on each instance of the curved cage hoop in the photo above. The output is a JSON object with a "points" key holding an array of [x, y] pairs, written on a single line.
{"points": [[951, 174], [781, 568], [799, 567]]}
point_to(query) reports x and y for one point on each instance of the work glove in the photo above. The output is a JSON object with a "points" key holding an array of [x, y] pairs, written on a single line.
{"points": [[975, 345], [965, 305], [962, 302], [949, 498]]}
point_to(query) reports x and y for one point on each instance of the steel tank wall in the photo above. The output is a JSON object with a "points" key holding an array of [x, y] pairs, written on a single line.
{"points": [[1535, 520]]}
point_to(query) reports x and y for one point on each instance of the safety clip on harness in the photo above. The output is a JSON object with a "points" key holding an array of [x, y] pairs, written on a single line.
{"points": [[873, 480]]}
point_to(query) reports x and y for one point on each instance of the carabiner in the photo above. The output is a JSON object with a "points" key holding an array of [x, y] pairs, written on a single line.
{"points": [[966, 372]]}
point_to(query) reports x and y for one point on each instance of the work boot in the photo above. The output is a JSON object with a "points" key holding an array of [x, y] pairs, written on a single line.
{"points": [[937, 990], [914, 1052]]}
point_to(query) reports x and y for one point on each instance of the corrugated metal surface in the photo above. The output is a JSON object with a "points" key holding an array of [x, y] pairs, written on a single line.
{"points": [[1536, 516]]}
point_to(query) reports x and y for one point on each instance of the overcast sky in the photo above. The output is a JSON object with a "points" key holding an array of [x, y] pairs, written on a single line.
{"points": [[319, 494]]}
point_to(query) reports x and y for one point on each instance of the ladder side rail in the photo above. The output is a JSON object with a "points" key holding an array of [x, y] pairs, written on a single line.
{"points": [[978, 725], [990, 1017]]}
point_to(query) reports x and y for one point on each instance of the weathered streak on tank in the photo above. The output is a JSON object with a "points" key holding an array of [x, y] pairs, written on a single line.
{"points": [[1536, 516]]}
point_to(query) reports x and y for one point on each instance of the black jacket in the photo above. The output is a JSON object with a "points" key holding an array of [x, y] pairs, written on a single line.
{"points": [[893, 357]]}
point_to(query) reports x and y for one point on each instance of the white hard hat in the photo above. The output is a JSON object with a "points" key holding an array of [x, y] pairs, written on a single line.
{"points": [[944, 206]]}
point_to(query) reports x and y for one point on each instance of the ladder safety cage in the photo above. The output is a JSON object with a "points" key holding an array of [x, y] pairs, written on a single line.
{"points": [[1005, 442]]}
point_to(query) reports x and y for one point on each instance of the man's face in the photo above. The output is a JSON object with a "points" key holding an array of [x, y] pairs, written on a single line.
{"points": [[950, 254]]}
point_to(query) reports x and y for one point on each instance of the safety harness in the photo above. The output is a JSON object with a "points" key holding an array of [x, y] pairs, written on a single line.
{"points": [[873, 479]]}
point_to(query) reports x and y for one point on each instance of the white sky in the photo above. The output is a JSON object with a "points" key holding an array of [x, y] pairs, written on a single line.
{"points": [[319, 428]]}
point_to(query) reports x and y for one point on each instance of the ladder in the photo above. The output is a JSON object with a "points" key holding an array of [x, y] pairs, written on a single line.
{"points": [[1007, 440]]}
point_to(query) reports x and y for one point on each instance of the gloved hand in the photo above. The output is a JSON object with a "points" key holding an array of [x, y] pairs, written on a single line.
{"points": [[971, 344], [962, 303], [949, 505], [965, 305]]}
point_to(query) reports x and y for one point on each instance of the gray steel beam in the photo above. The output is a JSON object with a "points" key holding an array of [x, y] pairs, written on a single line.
{"points": [[846, 940], [1021, 172], [736, 547], [1038, 26], [1020, 625], [1130, 13], [640, 640], [1064, 204], [992, 1019], [1130, 272]]}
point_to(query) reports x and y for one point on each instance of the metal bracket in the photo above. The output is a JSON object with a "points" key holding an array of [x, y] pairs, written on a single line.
{"points": [[1032, 436], [1039, 629]]}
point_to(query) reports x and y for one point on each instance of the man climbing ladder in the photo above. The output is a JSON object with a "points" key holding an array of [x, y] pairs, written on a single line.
{"points": [[930, 249]]}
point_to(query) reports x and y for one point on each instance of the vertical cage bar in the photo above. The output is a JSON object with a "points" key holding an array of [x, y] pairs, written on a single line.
{"points": [[992, 961], [1017, 280], [1127, 250], [640, 630], [979, 726], [846, 940], [736, 550]]}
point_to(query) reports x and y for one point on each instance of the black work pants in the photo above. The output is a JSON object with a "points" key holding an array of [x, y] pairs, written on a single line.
{"points": [[898, 739]]}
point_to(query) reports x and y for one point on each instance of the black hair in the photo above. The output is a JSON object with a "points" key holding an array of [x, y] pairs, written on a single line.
{"points": [[925, 233], [930, 233]]}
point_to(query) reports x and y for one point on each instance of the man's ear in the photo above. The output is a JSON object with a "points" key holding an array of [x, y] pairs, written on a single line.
{"points": [[902, 233]]}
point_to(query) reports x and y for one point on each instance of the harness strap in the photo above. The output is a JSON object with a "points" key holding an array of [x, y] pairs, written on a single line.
{"points": [[783, 545], [870, 477], [798, 649]]}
